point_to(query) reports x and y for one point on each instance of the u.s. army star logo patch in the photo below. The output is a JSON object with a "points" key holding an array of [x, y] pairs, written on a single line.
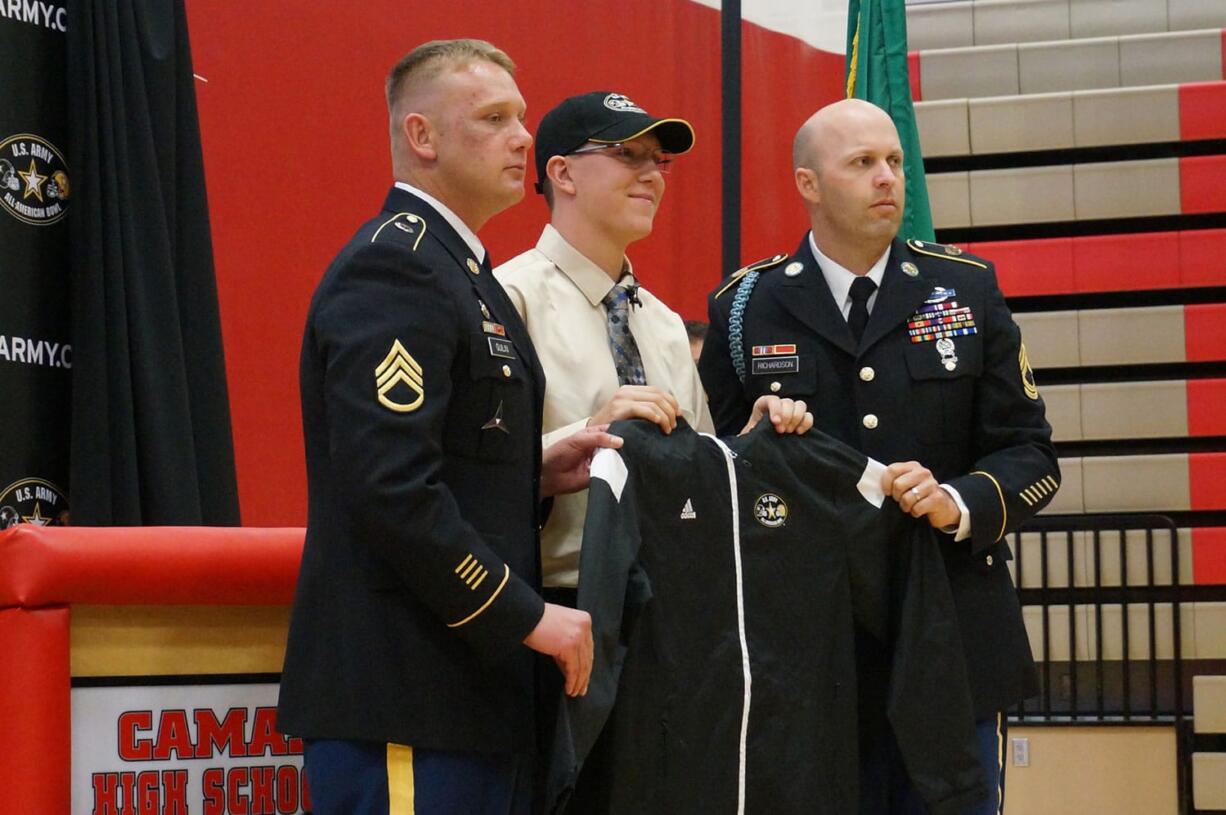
{"points": [[399, 368], [770, 510]]}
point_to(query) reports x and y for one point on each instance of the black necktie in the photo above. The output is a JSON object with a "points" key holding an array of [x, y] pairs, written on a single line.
{"points": [[862, 288]]}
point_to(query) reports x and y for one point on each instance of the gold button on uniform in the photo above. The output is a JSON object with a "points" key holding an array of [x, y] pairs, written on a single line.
{"points": [[506, 370], [867, 374], [988, 560], [775, 386], [870, 421]]}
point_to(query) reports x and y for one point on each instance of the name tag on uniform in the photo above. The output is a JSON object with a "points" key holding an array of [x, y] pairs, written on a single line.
{"points": [[501, 348], [776, 365]]}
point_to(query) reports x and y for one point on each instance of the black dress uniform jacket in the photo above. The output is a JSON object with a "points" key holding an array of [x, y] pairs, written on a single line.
{"points": [[970, 413], [723, 581], [421, 403]]}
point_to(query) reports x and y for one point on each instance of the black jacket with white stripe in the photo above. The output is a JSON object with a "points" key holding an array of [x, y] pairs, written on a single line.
{"points": [[723, 582]]}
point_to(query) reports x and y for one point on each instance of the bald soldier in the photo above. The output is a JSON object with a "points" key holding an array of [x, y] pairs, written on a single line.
{"points": [[409, 668], [905, 350]]}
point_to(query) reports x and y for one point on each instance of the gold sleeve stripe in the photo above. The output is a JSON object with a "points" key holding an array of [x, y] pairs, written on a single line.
{"points": [[477, 574], [1026, 498], [1054, 483], [1004, 508], [480, 580], [463, 563], [505, 577], [472, 568], [400, 791]]}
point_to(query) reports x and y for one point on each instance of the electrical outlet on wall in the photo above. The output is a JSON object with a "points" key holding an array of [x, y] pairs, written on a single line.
{"points": [[1021, 751]]}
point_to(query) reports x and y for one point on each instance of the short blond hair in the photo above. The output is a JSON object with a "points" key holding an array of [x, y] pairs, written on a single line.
{"points": [[428, 60]]}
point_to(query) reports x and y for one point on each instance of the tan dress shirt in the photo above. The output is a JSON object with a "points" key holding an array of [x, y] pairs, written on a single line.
{"points": [[558, 293]]}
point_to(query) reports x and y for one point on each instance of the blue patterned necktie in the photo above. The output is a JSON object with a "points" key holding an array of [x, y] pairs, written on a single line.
{"points": [[621, 342]]}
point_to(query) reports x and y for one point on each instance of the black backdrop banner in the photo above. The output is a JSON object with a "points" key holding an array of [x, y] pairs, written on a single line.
{"points": [[150, 421], [36, 193]]}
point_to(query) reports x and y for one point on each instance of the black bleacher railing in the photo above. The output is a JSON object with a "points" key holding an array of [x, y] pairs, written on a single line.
{"points": [[1088, 684], [1116, 680]]}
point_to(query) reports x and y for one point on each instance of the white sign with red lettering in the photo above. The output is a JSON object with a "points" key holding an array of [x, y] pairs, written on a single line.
{"points": [[183, 750]]}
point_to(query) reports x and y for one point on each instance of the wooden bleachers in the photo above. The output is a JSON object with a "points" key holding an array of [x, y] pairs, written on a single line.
{"points": [[1159, 409], [1152, 483], [990, 22], [1091, 264], [1088, 191], [1147, 335], [1209, 765], [1073, 119], [1068, 65], [1081, 146]]}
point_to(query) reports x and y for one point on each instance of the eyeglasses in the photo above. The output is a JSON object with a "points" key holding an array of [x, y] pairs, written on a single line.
{"points": [[634, 156]]}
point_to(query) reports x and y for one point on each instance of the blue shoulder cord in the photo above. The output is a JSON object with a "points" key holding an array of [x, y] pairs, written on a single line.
{"points": [[736, 316]]}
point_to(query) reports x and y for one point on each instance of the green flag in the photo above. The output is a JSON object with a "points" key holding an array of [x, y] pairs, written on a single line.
{"points": [[877, 72]]}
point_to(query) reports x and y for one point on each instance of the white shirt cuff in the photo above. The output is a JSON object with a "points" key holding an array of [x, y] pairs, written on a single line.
{"points": [[963, 529], [562, 432]]}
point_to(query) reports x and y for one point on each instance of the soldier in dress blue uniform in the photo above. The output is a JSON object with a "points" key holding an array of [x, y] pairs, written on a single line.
{"points": [[905, 350], [409, 668]]}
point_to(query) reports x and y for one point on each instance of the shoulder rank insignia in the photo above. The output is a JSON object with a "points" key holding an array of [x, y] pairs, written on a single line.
{"points": [[411, 226], [1028, 384], [396, 368], [757, 266], [940, 250]]}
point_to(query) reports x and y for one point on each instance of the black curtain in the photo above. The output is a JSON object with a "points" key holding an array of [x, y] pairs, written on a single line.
{"points": [[151, 439]]}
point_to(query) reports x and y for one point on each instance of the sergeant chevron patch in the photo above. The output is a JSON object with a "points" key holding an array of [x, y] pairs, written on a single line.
{"points": [[1028, 383], [397, 368]]}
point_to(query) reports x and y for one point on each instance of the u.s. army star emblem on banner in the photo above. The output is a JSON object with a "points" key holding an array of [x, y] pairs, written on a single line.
{"points": [[399, 368]]}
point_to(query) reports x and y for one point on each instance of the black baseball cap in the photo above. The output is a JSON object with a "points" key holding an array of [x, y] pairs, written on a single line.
{"points": [[603, 117]]}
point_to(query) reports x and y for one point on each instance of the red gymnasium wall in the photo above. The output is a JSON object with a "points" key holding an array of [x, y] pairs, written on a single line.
{"points": [[296, 154]]}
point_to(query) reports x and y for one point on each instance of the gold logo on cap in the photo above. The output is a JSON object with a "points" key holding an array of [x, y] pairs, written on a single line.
{"points": [[399, 367]]}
